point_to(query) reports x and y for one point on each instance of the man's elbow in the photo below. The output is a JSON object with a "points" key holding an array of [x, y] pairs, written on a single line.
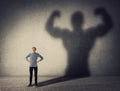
{"points": [[26, 59], [42, 58]]}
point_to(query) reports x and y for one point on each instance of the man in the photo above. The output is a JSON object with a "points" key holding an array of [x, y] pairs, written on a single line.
{"points": [[33, 64]]}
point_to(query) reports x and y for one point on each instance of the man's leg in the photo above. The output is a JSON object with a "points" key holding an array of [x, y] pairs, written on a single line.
{"points": [[36, 71], [31, 74]]}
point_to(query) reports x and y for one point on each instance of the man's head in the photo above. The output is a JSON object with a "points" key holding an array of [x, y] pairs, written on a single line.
{"points": [[34, 49], [77, 20]]}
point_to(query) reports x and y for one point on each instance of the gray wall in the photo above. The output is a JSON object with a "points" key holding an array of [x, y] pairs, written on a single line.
{"points": [[23, 25]]}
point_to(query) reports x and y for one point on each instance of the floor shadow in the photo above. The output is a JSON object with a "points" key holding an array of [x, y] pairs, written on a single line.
{"points": [[56, 80], [78, 43]]}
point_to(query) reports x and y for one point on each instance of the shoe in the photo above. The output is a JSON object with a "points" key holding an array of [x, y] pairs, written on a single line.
{"points": [[29, 85], [36, 85]]}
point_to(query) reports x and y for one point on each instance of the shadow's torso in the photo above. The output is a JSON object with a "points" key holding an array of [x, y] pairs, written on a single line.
{"points": [[78, 46]]}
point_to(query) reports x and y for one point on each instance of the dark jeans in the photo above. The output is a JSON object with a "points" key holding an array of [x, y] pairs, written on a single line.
{"points": [[31, 74]]}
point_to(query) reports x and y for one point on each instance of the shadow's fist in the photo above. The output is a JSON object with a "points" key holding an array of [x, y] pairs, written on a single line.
{"points": [[56, 13], [100, 10]]}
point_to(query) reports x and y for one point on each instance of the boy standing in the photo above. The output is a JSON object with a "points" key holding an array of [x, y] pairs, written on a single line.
{"points": [[33, 64]]}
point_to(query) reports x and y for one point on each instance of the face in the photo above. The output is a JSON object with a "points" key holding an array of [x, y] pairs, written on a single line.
{"points": [[34, 49]]}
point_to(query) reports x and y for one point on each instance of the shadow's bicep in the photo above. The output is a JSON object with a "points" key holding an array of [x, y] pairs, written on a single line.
{"points": [[99, 31], [55, 32]]}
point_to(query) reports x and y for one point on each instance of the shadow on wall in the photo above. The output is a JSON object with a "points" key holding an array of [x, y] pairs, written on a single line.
{"points": [[78, 43]]}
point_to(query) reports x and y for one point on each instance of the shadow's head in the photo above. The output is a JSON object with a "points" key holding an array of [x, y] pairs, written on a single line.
{"points": [[77, 20]]}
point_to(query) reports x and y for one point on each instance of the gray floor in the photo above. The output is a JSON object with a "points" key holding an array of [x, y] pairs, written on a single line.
{"points": [[47, 84]]}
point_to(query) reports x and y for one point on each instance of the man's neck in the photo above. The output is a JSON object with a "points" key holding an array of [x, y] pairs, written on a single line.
{"points": [[34, 52]]}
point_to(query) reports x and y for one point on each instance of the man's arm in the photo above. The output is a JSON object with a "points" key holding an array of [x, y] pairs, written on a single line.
{"points": [[103, 28], [41, 58], [54, 31], [28, 57]]}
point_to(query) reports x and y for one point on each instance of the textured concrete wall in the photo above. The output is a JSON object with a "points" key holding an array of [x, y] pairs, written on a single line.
{"points": [[23, 25]]}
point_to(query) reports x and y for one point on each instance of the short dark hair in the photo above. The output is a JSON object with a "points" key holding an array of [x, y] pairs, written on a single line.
{"points": [[34, 47]]}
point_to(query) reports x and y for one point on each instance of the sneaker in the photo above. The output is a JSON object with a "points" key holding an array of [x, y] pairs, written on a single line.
{"points": [[36, 85], [29, 85]]}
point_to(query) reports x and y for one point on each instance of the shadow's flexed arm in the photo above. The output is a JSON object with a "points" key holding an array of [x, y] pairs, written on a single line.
{"points": [[54, 31], [105, 27]]}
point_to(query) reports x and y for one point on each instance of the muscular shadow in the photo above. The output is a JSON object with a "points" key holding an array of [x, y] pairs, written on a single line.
{"points": [[78, 43]]}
